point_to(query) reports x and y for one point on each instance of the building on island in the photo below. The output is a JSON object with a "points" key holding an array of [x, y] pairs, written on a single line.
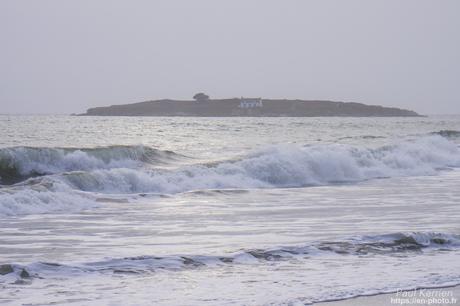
{"points": [[250, 103]]}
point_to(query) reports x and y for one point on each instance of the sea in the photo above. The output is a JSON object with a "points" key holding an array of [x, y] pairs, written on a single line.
{"points": [[226, 211]]}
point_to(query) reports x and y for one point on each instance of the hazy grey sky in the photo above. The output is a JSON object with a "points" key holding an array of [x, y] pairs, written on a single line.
{"points": [[65, 56]]}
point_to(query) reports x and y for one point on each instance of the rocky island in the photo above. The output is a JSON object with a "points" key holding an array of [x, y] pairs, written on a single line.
{"points": [[203, 106]]}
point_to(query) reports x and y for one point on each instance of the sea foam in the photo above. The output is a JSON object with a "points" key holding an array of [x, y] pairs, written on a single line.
{"points": [[42, 199], [19, 163], [383, 245], [280, 166], [277, 166]]}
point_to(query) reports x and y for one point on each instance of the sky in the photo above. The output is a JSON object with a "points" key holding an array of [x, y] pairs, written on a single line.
{"points": [[65, 56]]}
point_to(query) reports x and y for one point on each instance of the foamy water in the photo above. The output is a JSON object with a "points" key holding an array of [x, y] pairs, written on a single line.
{"points": [[226, 211]]}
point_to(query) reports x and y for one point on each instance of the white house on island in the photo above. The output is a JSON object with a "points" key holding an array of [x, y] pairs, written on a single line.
{"points": [[250, 102]]}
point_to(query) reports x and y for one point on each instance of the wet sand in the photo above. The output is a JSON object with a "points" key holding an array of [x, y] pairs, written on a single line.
{"points": [[435, 297]]}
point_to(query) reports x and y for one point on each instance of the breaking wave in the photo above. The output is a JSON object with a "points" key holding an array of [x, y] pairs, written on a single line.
{"points": [[111, 171], [19, 163], [280, 166], [448, 133], [384, 245], [43, 196]]}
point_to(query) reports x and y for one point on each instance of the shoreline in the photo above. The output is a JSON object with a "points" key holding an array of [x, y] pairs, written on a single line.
{"points": [[417, 296], [248, 107]]}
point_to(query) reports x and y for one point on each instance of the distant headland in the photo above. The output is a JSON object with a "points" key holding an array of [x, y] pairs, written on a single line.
{"points": [[203, 106]]}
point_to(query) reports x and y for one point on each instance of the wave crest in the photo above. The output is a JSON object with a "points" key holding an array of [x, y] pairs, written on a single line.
{"points": [[281, 166], [387, 245], [448, 133], [19, 163], [43, 196]]}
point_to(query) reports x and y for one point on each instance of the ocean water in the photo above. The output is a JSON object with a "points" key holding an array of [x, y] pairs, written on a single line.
{"points": [[225, 211]]}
